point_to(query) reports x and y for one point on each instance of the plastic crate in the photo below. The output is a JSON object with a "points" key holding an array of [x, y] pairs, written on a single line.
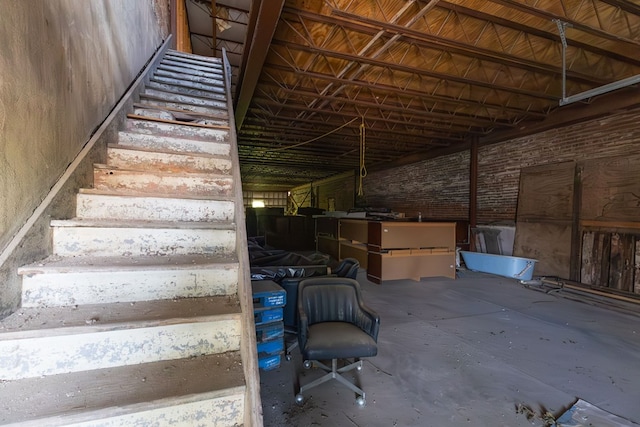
{"points": [[269, 331], [269, 362], [271, 347], [267, 293], [267, 315]]}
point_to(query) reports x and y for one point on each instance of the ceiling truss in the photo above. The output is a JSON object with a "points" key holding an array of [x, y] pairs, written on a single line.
{"points": [[424, 76]]}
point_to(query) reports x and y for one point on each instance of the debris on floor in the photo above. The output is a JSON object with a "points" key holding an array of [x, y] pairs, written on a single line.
{"points": [[584, 414]]}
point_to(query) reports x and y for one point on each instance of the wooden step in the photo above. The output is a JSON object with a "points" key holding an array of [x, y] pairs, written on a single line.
{"points": [[137, 139], [176, 129], [185, 89], [180, 69], [40, 341], [140, 238], [178, 55], [178, 112], [196, 63], [163, 102], [175, 117], [93, 204], [215, 90], [202, 390], [148, 182], [175, 96], [190, 78], [193, 66], [125, 157], [57, 282]]}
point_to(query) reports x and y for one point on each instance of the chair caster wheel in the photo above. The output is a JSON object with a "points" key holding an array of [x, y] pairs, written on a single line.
{"points": [[299, 399], [307, 364], [361, 401]]}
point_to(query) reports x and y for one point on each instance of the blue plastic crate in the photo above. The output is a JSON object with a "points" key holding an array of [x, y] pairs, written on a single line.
{"points": [[267, 293], [269, 362], [269, 331], [271, 347], [267, 315]]}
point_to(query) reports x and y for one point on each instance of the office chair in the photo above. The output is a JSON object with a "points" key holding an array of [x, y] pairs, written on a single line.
{"points": [[333, 324], [348, 268]]}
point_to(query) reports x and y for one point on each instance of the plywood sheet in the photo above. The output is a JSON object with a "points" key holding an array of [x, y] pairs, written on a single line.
{"points": [[546, 192], [548, 243], [545, 218], [611, 189]]}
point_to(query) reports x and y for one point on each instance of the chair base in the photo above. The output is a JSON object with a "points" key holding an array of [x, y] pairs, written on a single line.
{"points": [[333, 372], [294, 344]]}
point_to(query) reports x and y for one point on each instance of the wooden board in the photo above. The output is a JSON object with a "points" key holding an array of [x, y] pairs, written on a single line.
{"points": [[411, 235], [354, 250], [328, 245], [546, 192], [354, 230], [612, 189], [327, 226], [596, 247], [621, 262], [548, 243], [394, 266], [636, 274]]}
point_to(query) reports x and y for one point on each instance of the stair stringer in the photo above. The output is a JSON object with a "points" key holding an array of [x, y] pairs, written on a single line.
{"points": [[248, 345]]}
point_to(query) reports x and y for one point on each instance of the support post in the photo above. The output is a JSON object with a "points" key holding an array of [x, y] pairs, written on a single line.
{"points": [[473, 189]]}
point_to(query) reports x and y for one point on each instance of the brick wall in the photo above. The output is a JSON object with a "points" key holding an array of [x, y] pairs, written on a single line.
{"points": [[439, 188], [341, 188]]}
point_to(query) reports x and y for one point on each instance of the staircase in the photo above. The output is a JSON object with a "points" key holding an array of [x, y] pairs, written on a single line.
{"points": [[142, 314]]}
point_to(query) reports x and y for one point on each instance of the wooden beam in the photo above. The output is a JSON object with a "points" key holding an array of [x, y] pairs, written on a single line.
{"points": [[214, 29], [183, 37], [173, 22], [267, 16], [600, 106]]}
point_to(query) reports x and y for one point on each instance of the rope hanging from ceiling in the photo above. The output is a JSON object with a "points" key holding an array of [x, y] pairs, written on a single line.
{"points": [[316, 138], [363, 168]]}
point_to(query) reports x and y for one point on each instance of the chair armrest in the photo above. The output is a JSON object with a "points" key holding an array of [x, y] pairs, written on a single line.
{"points": [[368, 320], [303, 328]]}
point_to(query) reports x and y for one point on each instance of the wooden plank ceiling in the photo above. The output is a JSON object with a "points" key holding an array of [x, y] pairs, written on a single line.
{"points": [[421, 77]]}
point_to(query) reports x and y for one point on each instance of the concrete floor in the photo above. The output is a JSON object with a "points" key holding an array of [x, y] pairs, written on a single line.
{"points": [[476, 351]]}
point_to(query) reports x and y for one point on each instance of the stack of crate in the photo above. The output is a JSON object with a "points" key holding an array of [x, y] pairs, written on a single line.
{"points": [[269, 300]]}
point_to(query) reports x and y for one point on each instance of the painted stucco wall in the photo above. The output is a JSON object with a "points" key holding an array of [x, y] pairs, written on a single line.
{"points": [[64, 64]]}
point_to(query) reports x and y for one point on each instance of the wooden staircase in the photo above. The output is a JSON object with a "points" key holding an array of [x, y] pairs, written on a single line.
{"points": [[142, 314]]}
